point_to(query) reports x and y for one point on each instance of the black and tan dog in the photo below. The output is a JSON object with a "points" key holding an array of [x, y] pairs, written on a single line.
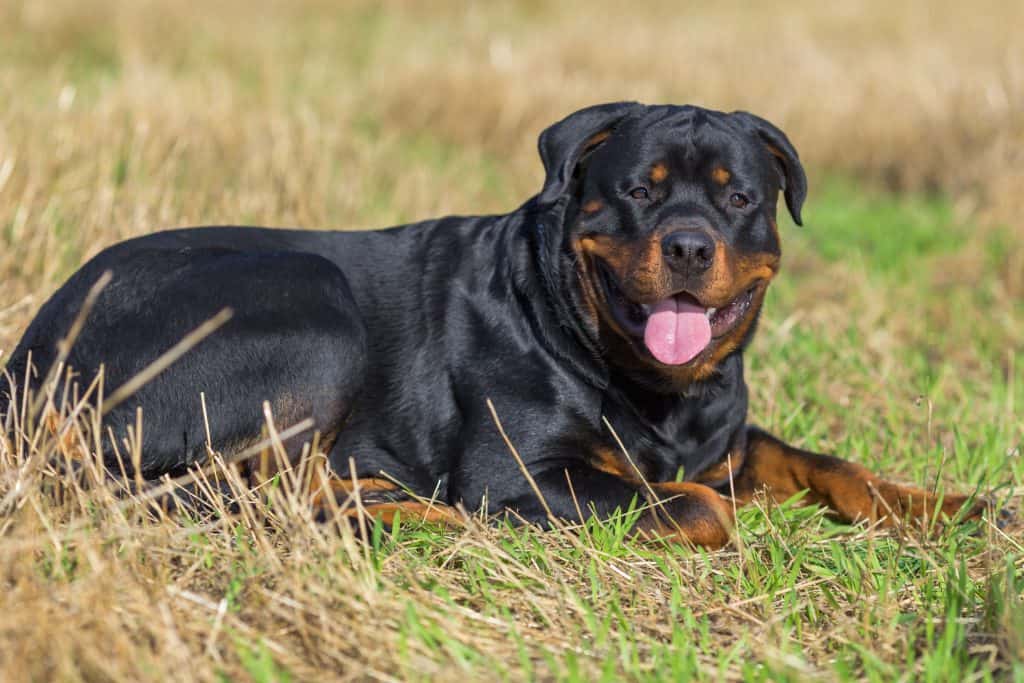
{"points": [[626, 289]]}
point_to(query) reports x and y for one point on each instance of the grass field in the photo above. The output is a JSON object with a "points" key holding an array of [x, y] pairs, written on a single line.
{"points": [[894, 335]]}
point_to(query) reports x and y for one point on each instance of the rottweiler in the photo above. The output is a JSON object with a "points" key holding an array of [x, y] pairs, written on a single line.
{"points": [[604, 321]]}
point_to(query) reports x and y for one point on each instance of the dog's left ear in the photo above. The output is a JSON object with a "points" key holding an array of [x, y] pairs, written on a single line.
{"points": [[794, 180], [564, 144]]}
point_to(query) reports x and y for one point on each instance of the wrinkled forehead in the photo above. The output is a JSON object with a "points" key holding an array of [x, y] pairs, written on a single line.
{"points": [[686, 139]]}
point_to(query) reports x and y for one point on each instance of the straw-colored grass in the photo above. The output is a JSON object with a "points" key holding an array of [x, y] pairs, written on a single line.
{"points": [[893, 337]]}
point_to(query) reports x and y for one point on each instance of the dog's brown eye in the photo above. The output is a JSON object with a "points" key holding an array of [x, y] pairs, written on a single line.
{"points": [[739, 200], [638, 193]]}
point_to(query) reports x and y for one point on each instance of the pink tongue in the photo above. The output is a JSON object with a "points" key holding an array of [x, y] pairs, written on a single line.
{"points": [[677, 331]]}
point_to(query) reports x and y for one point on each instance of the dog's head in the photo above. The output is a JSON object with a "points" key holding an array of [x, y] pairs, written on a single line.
{"points": [[669, 227]]}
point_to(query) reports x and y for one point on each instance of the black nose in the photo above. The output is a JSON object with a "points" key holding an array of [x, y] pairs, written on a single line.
{"points": [[689, 250]]}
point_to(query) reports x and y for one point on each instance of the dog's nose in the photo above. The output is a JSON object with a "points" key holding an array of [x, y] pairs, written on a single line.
{"points": [[689, 250]]}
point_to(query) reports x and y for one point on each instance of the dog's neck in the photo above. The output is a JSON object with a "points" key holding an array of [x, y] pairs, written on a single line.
{"points": [[549, 272]]}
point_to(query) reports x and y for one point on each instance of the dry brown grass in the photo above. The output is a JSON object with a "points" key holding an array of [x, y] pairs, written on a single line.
{"points": [[99, 583], [120, 118]]}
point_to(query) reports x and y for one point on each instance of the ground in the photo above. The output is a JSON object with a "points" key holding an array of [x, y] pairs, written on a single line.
{"points": [[893, 336]]}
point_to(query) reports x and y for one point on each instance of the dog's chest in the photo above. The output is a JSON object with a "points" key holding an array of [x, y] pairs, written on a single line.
{"points": [[668, 434]]}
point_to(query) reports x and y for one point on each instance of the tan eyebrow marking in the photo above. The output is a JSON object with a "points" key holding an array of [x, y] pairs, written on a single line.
{"points": [[592, 206], [658, 172], [720, 175]]}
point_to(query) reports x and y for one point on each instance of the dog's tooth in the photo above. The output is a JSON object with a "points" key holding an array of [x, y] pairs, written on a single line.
{"points": [[710, 312]]}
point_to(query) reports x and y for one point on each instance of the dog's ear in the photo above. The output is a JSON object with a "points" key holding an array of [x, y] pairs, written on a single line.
{"points": [[794, 180], [564, 144]]}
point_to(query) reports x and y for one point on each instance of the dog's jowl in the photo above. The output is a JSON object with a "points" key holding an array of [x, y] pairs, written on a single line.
{"points": [[626, 290]]}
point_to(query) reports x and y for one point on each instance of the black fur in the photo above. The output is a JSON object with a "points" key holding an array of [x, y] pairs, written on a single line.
{"points": [[393, 340]]}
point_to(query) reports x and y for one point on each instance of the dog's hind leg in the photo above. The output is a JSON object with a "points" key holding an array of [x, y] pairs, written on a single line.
{"points": [[295, 342], [372, 499]]}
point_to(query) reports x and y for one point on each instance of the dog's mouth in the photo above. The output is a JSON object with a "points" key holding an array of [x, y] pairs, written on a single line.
{"points": [[679, 328]]}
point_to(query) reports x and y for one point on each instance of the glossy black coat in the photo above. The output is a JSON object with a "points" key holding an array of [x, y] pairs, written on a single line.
{"points": [[394, 340]]}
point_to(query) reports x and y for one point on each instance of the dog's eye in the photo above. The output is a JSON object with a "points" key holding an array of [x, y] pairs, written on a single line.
{"points": [[739, 200], [638, 193]]}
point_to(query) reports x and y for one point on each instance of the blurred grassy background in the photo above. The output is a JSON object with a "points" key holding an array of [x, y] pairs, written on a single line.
{"points": [[894, 335], [119, 118]]}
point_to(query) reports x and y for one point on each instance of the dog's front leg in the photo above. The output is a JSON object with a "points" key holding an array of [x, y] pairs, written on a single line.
{"points": [[684, 512], [848, 490]]}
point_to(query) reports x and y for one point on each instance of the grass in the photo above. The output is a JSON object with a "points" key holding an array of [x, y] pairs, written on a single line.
{"points": [[893, 337]]}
